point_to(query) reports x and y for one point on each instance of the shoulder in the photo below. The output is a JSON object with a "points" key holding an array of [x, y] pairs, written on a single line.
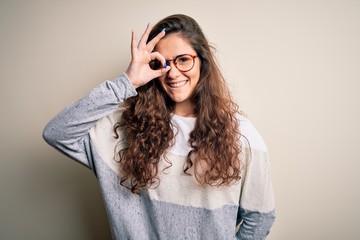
{"points": [[249, 134]]}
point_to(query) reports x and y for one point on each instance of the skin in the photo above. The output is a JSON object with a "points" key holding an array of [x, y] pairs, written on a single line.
{"points": [[178, 85]]}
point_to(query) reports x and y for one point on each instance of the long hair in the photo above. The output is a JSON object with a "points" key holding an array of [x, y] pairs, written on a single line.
{"points": [[146, 121]]}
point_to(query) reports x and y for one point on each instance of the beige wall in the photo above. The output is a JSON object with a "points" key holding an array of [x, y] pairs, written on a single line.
{"points": [[292, 65]]}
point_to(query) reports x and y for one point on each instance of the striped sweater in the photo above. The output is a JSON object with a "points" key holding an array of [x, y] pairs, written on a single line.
{"points": [[178, 208]]}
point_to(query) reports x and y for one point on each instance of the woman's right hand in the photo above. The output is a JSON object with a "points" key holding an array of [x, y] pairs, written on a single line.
{"points": [[139, 71]]}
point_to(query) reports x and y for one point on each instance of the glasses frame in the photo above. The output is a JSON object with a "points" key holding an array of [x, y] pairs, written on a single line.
{"points": [[182, 55]]}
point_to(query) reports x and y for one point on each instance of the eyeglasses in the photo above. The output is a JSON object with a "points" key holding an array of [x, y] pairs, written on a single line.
{"points": [[183, 63]]}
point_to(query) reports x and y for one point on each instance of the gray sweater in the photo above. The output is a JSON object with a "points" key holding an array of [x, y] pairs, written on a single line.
{"points": [[178, 208]]}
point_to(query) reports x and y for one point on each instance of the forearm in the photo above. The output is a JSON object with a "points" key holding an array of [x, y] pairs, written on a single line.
{"points": [[257, 202], [255, 225], [66, 131]]}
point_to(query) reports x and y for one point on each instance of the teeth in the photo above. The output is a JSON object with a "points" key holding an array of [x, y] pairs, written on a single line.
{"points": [[177, 84]]}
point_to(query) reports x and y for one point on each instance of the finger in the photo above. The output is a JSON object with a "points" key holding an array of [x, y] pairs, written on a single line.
{"points": [[158, 56], [145, 35], [155, 40], [133, 43]]}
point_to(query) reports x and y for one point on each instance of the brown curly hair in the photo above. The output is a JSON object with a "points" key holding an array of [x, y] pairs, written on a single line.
{"points": [[147, 128]]}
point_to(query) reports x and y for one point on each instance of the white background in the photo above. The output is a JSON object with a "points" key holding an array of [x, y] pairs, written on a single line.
{"points": [[293, 67]]}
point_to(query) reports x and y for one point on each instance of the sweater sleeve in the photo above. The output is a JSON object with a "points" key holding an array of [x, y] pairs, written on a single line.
{"points": [[68, 132], [256, 212]]}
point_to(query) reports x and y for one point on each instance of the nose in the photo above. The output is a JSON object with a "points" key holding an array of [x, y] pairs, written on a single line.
{"points": [[173, 73]]}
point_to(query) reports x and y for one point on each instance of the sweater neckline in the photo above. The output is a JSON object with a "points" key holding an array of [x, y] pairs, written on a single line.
{"points": [[182, 117]]}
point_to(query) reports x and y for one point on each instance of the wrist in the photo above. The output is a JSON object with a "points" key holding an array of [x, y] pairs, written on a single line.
{"points": [[131, 79]]}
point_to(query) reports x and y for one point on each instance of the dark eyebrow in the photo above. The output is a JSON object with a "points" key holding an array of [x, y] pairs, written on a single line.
{"points": [[178, 56]]}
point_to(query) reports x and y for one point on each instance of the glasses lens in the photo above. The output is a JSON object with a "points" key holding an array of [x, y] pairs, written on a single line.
{"points": [[184, 62]]}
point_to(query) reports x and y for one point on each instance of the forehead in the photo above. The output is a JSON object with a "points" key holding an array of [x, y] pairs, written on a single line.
{"points": [[173, 45]]}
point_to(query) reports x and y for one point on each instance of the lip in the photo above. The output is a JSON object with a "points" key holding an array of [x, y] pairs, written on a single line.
{"points": [[177, 84]]}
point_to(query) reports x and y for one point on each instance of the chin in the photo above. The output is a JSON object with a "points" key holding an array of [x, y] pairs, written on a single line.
{"points": [[179, 99]]}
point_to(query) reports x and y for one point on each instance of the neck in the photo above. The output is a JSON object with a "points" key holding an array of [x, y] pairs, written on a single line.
{"points": [[184, 109]]}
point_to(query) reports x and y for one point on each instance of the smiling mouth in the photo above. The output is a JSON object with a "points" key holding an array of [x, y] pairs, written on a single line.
{"points": [[177, 84]]}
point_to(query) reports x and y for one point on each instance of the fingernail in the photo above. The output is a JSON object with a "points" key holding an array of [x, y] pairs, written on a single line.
{"points": [[163, 30], [165, 65]]}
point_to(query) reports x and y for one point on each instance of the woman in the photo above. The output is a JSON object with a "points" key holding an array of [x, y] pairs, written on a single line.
{"points": [[164, 142]]}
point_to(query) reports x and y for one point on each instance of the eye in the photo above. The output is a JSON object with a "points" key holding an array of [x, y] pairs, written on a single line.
{"points": [[183, 59], [155, 64]]}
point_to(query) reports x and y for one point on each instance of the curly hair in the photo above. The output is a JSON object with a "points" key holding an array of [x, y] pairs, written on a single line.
{"points": [[148, 131]]}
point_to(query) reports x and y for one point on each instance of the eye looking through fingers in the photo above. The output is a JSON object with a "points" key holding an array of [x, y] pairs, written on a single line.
{"points": [[183, 62], [156, 64]]}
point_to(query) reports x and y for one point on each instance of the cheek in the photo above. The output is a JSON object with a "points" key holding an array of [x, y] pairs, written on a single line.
{"points": [[196, 74]]}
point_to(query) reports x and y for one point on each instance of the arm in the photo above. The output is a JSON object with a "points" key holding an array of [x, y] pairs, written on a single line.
{"points": [[257, 208], [68, 131]]}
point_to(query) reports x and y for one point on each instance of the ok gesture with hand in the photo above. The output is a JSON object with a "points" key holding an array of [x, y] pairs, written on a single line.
{"points": [[139, 71]]}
